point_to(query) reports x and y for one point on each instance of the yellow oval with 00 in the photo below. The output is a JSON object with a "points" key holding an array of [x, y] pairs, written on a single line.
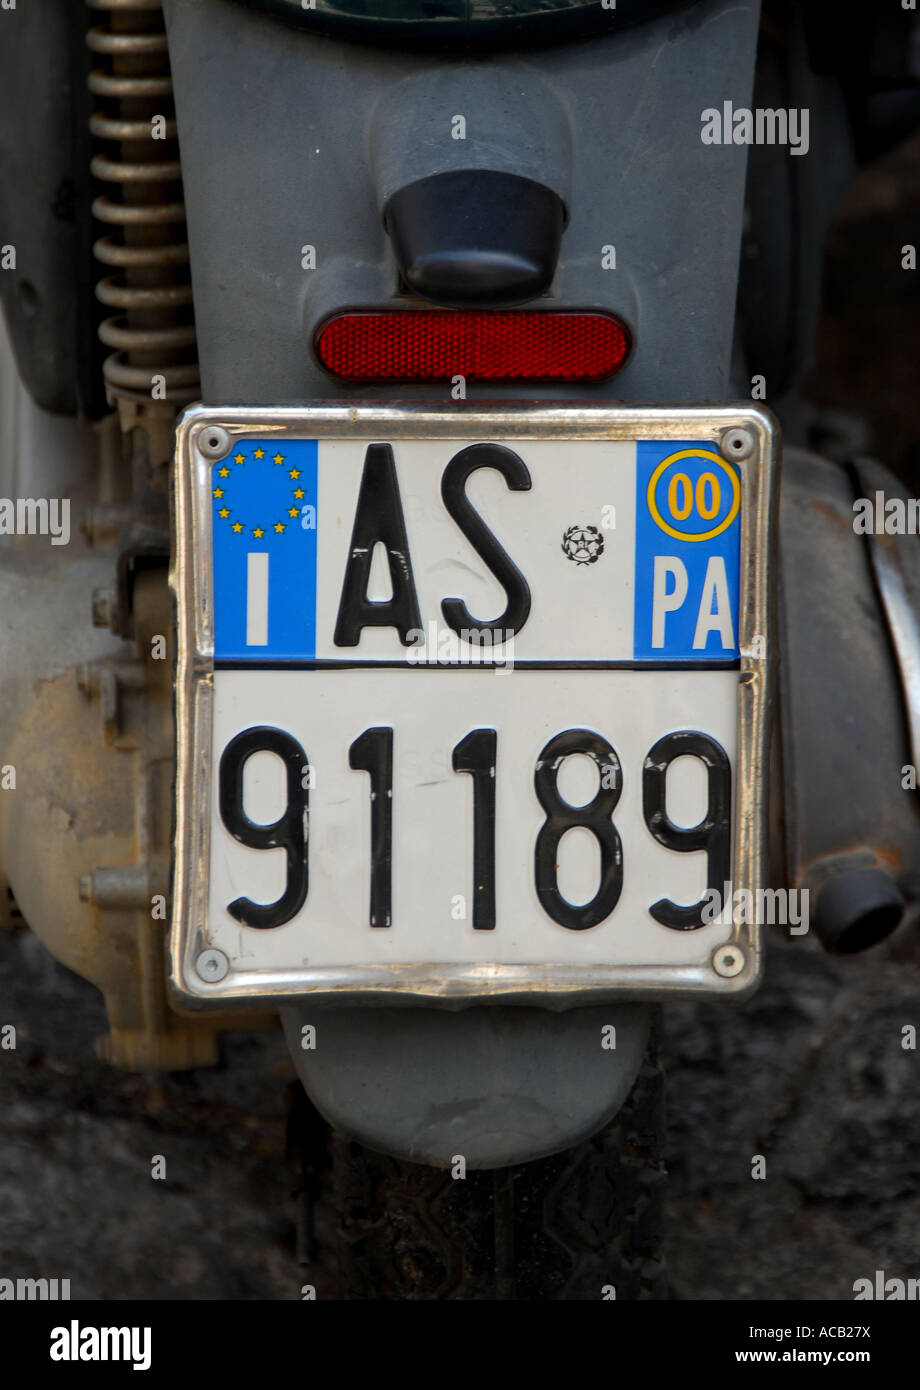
{"points": [[697, 496]]}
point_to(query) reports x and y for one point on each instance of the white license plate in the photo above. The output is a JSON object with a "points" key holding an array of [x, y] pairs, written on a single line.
{"points": [[470, 704]]}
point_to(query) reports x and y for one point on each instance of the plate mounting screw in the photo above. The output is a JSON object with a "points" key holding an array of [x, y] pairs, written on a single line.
{"points": [[212, 965], [214, 442], [728, 961], [736, 444]]}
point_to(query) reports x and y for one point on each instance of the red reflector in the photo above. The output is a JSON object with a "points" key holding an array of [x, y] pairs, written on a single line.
{"points": [[481, 345]]}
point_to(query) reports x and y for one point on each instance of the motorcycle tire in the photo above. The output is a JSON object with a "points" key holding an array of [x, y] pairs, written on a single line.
{"points": [[583, 1224]]}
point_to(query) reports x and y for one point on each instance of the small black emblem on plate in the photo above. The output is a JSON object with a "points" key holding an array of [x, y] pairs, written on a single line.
{"points": [[583, 544]]}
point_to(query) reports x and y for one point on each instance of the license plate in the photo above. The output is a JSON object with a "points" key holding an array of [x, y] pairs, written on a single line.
{"points": [[471, 704]]}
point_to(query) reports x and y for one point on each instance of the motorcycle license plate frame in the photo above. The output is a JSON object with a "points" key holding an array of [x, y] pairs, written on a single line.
{"points": [[219, 959]]}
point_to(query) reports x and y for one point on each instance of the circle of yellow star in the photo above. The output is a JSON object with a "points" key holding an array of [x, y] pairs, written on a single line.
{"points": [[239, 527]]}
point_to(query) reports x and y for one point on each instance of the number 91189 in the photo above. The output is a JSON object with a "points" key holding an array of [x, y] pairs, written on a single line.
{"points": [[478, 756]]}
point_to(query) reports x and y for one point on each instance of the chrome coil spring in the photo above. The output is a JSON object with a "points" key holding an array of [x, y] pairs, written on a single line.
{"points": [[153, 334]]}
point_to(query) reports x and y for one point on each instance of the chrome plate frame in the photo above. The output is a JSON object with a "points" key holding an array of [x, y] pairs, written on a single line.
{"points": [[550, 986]]}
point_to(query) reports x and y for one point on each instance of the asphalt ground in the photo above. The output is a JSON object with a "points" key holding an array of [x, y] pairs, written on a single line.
{"points": [[811, 1075]]}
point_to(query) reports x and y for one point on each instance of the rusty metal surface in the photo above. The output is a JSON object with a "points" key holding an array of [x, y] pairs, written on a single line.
{"points": [[845, 735], [86, 720], [95, 808]]}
